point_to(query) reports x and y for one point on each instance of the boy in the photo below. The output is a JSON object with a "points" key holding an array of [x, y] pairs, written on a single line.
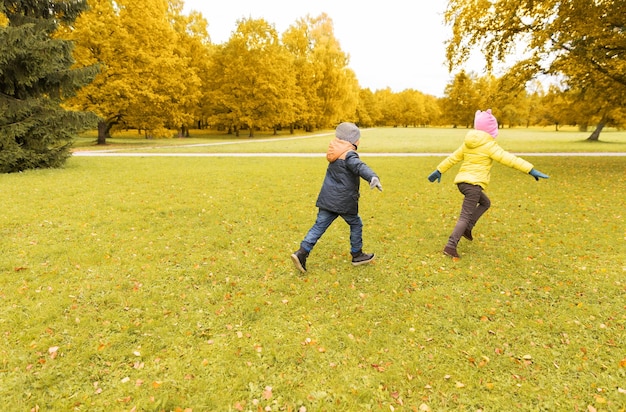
{"points": [[339, 195], [477, 152]]}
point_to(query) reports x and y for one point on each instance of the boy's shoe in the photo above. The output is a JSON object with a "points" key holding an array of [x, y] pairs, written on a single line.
{"points": [[360, 258], [468, 234], [299, 259], [450, 251]]}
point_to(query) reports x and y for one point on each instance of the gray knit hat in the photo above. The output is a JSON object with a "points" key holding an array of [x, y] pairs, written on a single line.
{"points": [[348, 132]]}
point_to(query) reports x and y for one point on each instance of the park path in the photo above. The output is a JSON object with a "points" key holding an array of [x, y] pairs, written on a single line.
{"points": [[134, 152]]}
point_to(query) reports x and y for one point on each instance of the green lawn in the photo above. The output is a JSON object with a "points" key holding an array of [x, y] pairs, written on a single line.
{"points": [[158, 284]]}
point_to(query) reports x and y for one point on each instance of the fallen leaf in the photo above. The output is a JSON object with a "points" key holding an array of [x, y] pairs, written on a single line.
{"points": [[267, 393], [380, 368]]}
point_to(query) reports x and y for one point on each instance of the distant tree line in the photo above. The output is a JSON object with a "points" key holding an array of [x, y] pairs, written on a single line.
{"points": [[143, 64]]}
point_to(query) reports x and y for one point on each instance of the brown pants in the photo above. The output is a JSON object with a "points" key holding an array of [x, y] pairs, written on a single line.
{"points": [[475, 204]]}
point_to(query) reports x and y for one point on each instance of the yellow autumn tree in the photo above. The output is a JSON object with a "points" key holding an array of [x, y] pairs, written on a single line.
{"points": [[412, 105], [298, 42], [194, 46], [368, 110], [251, 82], [583, 43], [144, 83], [461, 100], [329, 87]]}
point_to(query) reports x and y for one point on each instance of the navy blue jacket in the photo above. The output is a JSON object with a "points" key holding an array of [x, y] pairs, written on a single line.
{"points": [[340, 190]]}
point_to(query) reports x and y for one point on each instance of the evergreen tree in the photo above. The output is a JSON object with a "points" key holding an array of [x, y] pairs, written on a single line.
{"points": [[36, 74]]}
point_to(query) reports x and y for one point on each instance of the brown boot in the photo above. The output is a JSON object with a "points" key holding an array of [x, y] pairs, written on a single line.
{"points": [[451, 251]]}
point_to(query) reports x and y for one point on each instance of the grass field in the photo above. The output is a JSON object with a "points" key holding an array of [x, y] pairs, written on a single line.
{"points": [[163, 284]]}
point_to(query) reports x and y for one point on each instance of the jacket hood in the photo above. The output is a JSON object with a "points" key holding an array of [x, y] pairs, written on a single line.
{"points": [[337, 149], [477, 138]]}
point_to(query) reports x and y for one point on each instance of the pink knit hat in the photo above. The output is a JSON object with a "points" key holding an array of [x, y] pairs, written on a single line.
{"points": [[486, 122]]}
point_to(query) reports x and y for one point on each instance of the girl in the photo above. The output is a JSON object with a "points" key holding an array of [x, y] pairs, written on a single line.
{"points": [[477, 153]]}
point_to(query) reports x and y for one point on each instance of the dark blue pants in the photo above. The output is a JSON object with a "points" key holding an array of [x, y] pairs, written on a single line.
{"points": [[324, 219]]}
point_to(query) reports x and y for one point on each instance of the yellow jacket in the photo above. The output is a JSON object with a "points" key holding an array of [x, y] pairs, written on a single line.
{"points": [[478, 152]]}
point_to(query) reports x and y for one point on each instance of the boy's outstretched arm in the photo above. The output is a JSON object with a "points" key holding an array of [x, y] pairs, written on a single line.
{"points": [[375, 183]]}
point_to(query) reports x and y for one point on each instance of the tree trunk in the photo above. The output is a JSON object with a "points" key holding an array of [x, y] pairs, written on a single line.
{"points": [[102, 132], [595, 135]]}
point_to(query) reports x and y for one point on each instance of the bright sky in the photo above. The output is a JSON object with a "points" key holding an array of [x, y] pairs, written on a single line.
{"points": [[393, 43]]}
